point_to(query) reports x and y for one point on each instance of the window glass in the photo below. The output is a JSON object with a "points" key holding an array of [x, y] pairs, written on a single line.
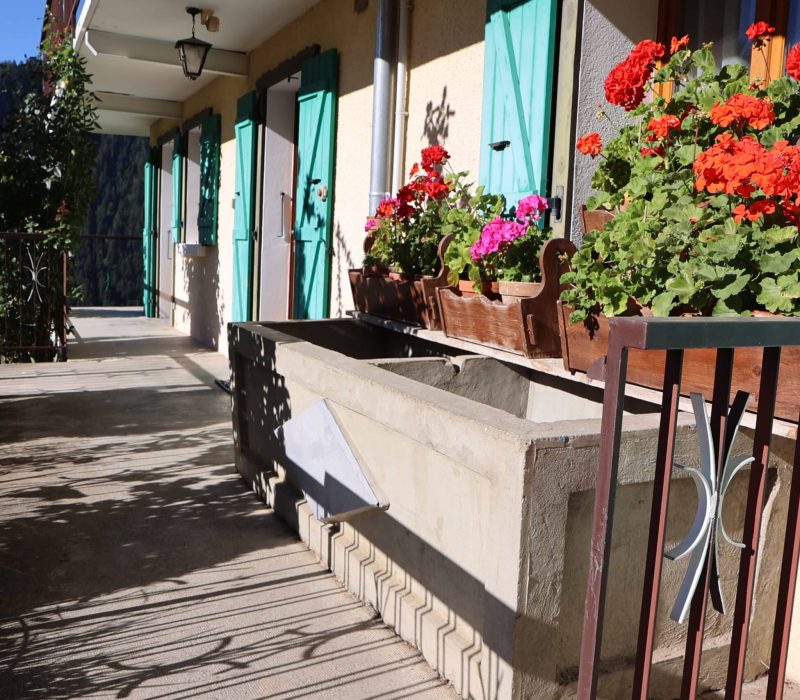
{"points": [[793, 30], [722, 22]]}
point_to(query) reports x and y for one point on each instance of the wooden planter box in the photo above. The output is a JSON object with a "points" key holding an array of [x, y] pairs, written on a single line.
{"points": [[400, 297], [585, 351], [523, 321]]}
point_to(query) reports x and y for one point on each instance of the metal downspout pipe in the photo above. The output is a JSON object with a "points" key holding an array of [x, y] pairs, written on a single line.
{"points": [[379, 179], [401, 110]]}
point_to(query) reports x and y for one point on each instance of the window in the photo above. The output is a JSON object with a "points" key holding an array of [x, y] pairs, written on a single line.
{"points": [[196, 162], [192, 175], [724, 23]]}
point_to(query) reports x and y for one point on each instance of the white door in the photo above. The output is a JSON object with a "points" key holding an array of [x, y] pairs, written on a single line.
{"points": [[275, 234]]}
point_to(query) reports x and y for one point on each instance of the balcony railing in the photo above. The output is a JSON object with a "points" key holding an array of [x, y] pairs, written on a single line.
{"points": [[33, 293], [718, 467]]}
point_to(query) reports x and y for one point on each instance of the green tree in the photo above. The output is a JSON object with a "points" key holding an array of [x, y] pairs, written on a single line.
{"points": [[46, 183], [46, 149]]}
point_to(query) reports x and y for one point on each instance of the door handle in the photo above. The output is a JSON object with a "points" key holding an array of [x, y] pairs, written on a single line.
{"points": [[499, 145], [284, 196]]}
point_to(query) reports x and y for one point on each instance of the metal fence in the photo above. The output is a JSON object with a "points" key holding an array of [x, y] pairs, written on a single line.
{"points": [[33, 293], [768, 337]]}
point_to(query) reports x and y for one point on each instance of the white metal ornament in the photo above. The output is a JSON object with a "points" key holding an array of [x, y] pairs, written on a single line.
{"points": [[708, 526]]}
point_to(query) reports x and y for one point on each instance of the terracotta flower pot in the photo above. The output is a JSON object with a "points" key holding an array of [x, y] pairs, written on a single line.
{"points": [[467, 288]]}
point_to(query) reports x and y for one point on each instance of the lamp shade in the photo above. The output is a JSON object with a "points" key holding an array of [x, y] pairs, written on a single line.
{"points": [[193, 53]]}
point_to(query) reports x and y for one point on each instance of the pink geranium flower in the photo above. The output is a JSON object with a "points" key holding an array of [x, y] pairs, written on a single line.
{"points": [[531, 208], [496, 233]]}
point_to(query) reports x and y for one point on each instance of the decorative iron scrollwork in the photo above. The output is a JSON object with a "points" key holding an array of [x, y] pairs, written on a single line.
{"points": [[707, 527], [35, 269]]}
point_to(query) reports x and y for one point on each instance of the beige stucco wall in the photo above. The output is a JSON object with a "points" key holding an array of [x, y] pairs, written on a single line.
{"points": [[445, 86], [609, 31], [444, 100]]}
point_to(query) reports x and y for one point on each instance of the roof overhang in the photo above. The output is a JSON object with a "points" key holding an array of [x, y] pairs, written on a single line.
{"points": [[130, 53]]}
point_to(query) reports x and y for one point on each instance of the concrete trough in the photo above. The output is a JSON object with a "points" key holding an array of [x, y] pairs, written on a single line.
{"points": [[488, 471]]}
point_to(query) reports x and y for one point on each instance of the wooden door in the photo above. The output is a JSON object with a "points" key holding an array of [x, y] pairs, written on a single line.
{"points": [[316, 104], [244, 210], [520, 45]]}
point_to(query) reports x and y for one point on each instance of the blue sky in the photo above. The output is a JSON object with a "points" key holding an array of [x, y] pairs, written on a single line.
{"points": [[21, 29]]}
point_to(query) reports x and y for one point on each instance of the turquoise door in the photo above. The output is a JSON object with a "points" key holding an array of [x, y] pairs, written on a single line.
{"points": [[150, 293], [177, 188], [518, 81], [316, 105], [244, 210]]}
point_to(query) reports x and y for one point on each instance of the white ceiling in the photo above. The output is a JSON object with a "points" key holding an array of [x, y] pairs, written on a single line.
{"points": [[244, 25]]}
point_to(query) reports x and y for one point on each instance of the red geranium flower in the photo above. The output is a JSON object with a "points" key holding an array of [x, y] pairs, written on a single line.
{"points": [[741, 109], [386, 208], [758, 32], [647, 50], [793, 62], [436, 188], [625, 83], [405, 194], [678, 44], [753, 212], [791, 212], [590, 144], [433, 156], [657, 151], [661, 126]]}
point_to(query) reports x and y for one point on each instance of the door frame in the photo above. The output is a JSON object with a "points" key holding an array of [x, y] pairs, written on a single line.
{"points": [[161, 141], [283, 71]]}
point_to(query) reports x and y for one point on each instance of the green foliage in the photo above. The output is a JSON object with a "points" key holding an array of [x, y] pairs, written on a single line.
{"points": [[406, 236], [409, 245], [46, 151], [466, 224], [46, 180], [670, 245], [520, 260]]}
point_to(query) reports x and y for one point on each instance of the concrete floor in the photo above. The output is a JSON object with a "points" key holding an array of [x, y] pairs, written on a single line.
{"points": [[133, 561]]}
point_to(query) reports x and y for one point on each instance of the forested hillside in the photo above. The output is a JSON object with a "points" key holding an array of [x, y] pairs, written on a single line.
{"points": [[109, 272]]}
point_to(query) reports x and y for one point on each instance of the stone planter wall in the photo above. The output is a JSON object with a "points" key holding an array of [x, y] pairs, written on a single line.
{"points": [[480, 560]]}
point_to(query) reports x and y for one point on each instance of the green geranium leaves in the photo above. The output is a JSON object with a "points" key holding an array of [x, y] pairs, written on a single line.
{"points": [[670, 246]]}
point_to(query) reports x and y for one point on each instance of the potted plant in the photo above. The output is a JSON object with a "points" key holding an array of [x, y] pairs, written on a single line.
{"points": [[406, 238], [704, 192], [514, 268]]}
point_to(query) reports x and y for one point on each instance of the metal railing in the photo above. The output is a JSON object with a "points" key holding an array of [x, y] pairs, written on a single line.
{"points": [[718, 468], [33, 298]]}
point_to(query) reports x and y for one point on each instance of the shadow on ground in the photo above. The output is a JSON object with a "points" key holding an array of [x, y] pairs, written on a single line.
{"points": [[134, 563]]}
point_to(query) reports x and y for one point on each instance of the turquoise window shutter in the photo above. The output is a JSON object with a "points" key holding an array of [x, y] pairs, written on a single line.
{"points": [[244, 211], [178, 145], [209, 179], [518, 80], [316, 103], [148, 235]]}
